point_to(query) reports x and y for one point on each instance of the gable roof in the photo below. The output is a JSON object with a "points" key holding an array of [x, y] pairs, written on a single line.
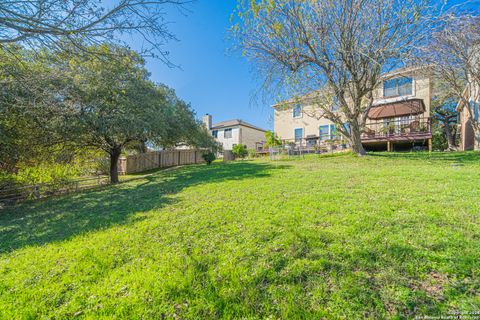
{"points": [[235, 122]]}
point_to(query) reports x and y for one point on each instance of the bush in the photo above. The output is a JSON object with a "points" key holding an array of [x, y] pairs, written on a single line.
{"points": [[240, 151], [439, 141], [49, 173], [252, 153], [272, 139], [209, 157]]}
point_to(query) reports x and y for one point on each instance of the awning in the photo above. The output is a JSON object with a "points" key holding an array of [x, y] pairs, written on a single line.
{"points": [[397, 109]]}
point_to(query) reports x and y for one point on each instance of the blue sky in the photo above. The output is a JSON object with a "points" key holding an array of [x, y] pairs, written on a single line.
{"points": [[211, 79]]}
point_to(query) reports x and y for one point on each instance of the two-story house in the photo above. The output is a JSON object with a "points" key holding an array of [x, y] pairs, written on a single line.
{"points": [[399, 119], [232, 132]]}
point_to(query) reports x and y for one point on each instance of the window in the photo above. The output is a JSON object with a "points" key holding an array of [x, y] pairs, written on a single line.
{"points": [[297, 111], [227, 134], [333, 132], [298, 134], [474, 106], [336, 105], [215, 133], [324, 130], [346, 125], [398, 87]]}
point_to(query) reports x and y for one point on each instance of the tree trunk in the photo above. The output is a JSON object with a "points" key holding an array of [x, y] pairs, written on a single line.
{"points": [[143, 146], [114, 156], [448, 135], [356, 140]]}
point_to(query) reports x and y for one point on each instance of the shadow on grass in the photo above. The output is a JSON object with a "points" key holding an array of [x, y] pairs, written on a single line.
{"points": [[57, 219], [449, 157]]}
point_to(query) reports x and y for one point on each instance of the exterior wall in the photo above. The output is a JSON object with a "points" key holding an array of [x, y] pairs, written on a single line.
{"points": [[467, 134], [422, 89], [229, 142], [240, 135], [467, 140], [250, 136], [285, 124]]}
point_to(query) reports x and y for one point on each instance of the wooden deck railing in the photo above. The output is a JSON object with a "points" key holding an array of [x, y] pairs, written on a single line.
{"points": [[398, 129]]}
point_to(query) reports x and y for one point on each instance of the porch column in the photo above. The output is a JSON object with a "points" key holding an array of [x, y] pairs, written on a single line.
{"points": [[389, 146], [429, 145]]}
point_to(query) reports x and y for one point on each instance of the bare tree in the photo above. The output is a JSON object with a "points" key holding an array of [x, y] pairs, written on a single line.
{"points": [[339, 48], [454, 51], [86, 22], [445, 113]]}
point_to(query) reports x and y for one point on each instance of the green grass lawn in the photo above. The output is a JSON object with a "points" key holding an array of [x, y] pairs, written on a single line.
{"points": [[339, 237]]}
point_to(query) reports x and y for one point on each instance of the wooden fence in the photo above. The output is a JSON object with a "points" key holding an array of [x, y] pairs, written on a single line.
{"points": [[159, 159], [131, 164], [15, 194]]}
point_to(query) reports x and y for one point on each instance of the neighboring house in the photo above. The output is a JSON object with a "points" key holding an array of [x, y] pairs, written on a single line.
{"points": [[399, 119], [232, 132], [466, 117]]}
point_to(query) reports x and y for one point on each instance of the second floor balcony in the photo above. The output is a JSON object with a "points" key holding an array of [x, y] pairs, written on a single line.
{"points": [[398, 129]]}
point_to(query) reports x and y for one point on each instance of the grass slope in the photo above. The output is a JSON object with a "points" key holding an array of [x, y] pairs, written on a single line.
{"points": [[384, 236]]}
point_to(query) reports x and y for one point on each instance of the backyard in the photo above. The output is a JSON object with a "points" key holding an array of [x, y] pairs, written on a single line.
{"points": [[382, 236]]}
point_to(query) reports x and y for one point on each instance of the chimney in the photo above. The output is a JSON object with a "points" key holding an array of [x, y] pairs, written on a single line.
{"points": [[207, 120]]}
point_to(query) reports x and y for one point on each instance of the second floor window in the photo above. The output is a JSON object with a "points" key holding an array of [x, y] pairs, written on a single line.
{"points": [[227, 134], [398, 87], [297, 111], [215, 133], [335, 105], [475, 109]]}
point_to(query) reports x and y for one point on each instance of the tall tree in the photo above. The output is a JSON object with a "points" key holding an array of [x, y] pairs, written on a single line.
{"points": [[86, 22], [338, 48], [445, 113], [112, 104], [28, 107], [454, 52]]}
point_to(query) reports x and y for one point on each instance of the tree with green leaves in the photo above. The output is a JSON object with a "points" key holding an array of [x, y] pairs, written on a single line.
{"points": [[339, 48], [272, 139], [104, 102], [112, 104], [28, 107], [240, 151]]}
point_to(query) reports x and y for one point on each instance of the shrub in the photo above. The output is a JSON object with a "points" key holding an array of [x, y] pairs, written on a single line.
{"points": [[49, 173], [240, 151], [252, 153], [272, 139], [209, 157]]}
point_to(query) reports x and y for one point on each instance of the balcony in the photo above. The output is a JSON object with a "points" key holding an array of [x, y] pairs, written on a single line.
{"points": [[398, 130]]}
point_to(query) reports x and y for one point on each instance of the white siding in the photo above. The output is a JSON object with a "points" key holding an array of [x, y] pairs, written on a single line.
{"points": [[229, 142]]}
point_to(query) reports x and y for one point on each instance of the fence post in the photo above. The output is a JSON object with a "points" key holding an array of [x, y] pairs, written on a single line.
{"points": [[36, 191]]}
